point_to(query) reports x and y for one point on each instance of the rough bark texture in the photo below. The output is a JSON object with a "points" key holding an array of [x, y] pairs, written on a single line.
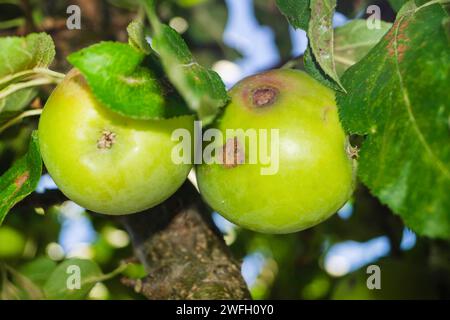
{"points": [[184, 254]]}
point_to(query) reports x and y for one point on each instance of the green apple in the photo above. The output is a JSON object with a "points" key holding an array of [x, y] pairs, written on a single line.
{"points": [[103, 161], [12, 243], [314, 177]]}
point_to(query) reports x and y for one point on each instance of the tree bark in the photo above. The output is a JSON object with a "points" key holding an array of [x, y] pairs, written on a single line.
{"points": [[184, 254]]}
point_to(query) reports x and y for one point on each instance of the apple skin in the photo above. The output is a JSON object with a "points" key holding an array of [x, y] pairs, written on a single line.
{"points": [[315, 176], [12, 243], [133, 174]]}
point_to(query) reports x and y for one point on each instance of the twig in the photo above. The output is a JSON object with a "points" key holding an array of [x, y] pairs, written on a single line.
{"points": [[21, 116], [183, 253], [23, 85], [30, 72]]}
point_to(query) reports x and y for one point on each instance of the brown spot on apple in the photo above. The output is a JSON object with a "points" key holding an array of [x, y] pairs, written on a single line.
{"points": [[264, 96]]}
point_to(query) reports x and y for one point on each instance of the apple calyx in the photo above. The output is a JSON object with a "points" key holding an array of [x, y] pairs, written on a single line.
{"points": [[107, 140]]}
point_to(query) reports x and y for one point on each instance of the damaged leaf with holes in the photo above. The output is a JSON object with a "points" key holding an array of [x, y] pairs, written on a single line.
{"points": [[398, 97]]}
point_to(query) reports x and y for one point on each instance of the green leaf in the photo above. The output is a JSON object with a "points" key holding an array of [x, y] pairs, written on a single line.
{"points": [[399, 97], [313, 68], [397, 4], [21, 179], [119, 78], [446, 26], [190, 3], [422, 2], [353, 41], [136, 37], [408, 8], [38, 270], [6, 116], [61, 284], [297, 12], [10, 118], [320, 35], [18, 54], [22, 53], [135, 271], [18, 100], [201, 88], [26, 288]]}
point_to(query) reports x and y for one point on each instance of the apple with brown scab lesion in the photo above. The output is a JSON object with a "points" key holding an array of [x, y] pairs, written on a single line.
{"points": [[315, 172]]}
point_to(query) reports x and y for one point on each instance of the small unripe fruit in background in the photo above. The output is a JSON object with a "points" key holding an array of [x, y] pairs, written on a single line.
{"points": [[315, 172], [12, 243], [105, 162]]}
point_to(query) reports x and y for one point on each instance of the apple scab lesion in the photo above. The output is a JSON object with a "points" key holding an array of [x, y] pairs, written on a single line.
{"points": [[265, 96], [20, 180], [106, 140], [232, 154]]}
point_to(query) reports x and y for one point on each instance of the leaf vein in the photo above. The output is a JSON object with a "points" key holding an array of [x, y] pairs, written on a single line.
{"points": [[409, 110]]}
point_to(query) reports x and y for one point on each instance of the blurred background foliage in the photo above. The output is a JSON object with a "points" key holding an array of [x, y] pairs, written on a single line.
{"points": [[236, 38]]}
